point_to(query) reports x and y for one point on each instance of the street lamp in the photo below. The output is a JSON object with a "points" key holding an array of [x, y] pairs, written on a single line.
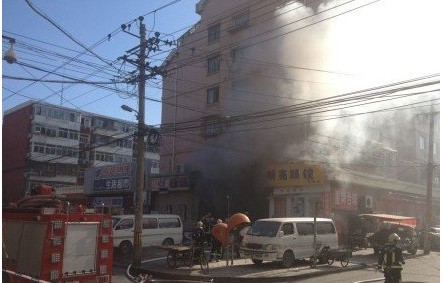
{"points": [[128, 108]]}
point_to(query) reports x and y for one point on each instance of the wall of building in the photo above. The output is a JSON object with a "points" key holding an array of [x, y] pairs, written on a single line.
{"points": [[15, 147]]}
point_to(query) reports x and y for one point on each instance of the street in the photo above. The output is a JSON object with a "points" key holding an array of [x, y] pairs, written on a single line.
{"points": [[421, 268]]}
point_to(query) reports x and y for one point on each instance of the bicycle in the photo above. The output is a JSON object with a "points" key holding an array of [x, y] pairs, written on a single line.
{"points": [[197, 254]]}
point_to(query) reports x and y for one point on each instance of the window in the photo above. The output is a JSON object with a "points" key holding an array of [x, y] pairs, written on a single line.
{"points": [[212, 127], [125, 224], [150, 223], [63, 133], [99, 123], [213, 95], [287, 228], [84, 138], [169, 222], [73, 117], [102, 156], [213, 64], [325, 228], [421, 143], [304, 229], [39, 147], [213, 33], [241, 20]]}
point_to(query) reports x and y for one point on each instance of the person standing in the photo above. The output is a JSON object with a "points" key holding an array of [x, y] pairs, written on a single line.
{"points": [[391, 260], [198, 237]]}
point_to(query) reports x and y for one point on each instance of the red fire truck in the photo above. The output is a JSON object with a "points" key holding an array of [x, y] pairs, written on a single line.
{"points": [[46, 238]]}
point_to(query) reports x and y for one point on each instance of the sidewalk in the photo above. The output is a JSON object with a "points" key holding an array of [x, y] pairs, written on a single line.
{"points": [[243, 270]]}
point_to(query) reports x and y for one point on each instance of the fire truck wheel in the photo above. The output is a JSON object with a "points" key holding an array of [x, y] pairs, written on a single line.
{"points": [[125, 247]]}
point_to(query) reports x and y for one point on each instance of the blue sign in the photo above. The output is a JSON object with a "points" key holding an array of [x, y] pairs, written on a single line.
{"points": [[112, 184]]}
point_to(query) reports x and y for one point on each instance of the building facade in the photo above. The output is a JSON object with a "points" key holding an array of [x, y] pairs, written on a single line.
{"points": [[45, 143], [237, 103]]}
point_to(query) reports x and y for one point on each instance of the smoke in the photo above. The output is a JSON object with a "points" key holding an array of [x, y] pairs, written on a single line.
{"points": [[310, 51]]}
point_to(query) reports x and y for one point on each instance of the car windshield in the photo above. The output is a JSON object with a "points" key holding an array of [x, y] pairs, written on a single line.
{"points": [[115, 220], [264, 228]]}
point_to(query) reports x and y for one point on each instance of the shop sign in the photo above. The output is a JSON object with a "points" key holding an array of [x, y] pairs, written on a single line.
{"points": [[113, 184], [169, 183], [345, 200], [294, 174], [112, 178], [326, 204]]}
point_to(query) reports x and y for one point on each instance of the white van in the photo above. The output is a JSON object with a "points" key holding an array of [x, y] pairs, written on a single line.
{"points": [[286, 239], [157, 229]]}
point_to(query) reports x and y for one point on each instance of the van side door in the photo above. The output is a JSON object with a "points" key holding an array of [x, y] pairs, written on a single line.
{"points": [[151, 234], [304, 243], [288, 238], [326, 234]]}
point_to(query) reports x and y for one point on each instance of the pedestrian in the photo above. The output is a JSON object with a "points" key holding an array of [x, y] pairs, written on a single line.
{"points": [[198, 237], [216, 251], [391, 260]]}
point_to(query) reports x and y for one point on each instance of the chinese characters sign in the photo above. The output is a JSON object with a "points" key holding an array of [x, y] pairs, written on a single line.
{"points": [[167, 183], [345, 200], [294, 174], [113, 178]]}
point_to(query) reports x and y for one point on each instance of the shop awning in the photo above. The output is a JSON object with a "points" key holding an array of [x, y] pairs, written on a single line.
{"points": [[389, 218]]}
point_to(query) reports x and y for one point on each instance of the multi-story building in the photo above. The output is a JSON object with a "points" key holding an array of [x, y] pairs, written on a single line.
{"points": [[242, 119], [45, 143]]}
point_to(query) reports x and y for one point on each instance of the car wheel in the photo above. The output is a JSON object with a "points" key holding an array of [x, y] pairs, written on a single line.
{"points": [[257, 261], [288, 259], [167, 242], [125, 247]]}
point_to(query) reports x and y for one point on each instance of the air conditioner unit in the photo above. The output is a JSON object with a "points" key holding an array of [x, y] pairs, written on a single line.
{"points": [[368, 202]]}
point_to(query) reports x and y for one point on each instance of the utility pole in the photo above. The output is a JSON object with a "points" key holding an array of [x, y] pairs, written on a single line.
{"points": [[145, 47], [429, 184], [136, 261]]}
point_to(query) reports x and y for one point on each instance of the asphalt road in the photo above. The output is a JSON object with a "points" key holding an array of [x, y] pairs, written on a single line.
{"points": [[421, 268]]}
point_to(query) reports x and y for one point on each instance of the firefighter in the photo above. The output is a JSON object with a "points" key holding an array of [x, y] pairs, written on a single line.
{"points": [[391, 260], [198, 237]]}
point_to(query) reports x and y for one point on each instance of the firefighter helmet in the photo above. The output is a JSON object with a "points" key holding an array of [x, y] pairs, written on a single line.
{"points": [[393, 238]]}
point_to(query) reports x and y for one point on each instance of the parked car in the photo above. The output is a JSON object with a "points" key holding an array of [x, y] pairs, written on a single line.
{"points": [[409, 241], [434, 235]]}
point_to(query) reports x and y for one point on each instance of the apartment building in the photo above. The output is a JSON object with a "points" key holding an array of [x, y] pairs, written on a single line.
{"points": [[54, 145], [236, 125]]}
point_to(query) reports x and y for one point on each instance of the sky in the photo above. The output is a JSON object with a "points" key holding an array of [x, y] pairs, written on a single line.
{"points": [[87, 22], [383, 42]]}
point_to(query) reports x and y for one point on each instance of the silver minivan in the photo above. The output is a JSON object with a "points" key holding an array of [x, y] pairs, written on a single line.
{"points": [[287, 239], [157, 229]]}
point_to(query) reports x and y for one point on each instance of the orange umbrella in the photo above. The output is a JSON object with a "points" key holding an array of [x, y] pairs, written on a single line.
{"points": [[219, 231], [237, 221]]}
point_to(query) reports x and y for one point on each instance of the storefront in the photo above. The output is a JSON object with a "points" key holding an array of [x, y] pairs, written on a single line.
{"points": [[111, 188], [299, 189]]}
